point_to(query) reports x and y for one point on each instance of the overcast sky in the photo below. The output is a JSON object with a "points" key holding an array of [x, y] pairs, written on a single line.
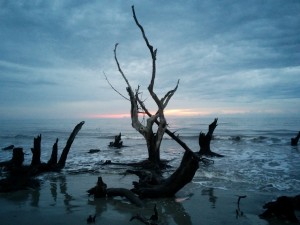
{"points": [[230, 56]]}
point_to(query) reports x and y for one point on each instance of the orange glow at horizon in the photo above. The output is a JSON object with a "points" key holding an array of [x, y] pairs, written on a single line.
{"points": [[109, 116], [186, 112], [168, 112], [176, 113]]}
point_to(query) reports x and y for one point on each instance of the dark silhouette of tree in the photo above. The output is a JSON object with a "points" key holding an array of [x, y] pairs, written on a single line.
{"points": [[153, 137]]}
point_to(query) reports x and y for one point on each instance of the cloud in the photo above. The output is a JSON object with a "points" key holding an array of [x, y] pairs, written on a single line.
{"points": [[231, 53]]}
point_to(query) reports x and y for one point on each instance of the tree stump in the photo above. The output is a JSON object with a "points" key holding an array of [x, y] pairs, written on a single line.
{"points": [[204, 141], [117, 143], [170, 186], [21, 176], [294, 141]]}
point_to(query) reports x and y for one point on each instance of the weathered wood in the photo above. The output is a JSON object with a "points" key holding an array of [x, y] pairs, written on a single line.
{"points": [[53, 159], [170, 186], [62, 161], [36, 151], [117, 143], [294, 141], [190, 162], [205, 139], [123, 192], [147, 177], [101, 191], [153, 139], [21, 176], [18, 157], [283, 208], [238, 211], [16, 161]]}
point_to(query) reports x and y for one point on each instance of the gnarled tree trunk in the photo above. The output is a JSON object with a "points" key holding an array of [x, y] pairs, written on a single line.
{"points": [[170, 186]]}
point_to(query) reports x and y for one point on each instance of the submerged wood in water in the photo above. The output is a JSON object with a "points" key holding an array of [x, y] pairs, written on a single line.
{"points": [[21, 176]]}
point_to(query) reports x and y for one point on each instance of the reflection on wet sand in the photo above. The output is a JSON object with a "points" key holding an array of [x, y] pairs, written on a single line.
{"points": [[211, 197], [169, 211], [175, 210], [61, 181], [35, 198], [100, 206], [23, 197]]}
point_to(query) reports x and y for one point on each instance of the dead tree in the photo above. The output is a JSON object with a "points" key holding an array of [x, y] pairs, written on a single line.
{"points": [[150, 184], [153, 139], [204, 141], [21, 176]]}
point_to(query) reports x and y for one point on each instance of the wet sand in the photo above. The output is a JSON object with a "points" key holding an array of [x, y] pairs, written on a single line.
{"points": [[62, 199]]}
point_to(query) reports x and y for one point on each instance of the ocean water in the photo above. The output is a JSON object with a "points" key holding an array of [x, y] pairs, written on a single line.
{"points": [[258, 154]]}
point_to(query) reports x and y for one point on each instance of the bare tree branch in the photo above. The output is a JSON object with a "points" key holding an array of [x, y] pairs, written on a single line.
{"points": [[153, 139], [153, 56], [119, 68], [165, 100], [134, 112], [114, 88]]}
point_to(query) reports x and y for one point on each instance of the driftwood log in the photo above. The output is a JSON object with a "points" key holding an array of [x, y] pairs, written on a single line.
{"points": [[204, 141], [168, 187], [101, 191], [152, 185], [21, 176], [283, 208]]}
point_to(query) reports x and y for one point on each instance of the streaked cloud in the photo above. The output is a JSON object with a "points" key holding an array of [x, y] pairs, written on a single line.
{"points": [[230, 56]]}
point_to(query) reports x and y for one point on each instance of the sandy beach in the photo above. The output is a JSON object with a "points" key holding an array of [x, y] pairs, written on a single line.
{"points": [[260, 164], [62, 199]]}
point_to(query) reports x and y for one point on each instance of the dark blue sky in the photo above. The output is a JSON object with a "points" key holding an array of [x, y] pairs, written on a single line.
{"points": [[230, 56]]}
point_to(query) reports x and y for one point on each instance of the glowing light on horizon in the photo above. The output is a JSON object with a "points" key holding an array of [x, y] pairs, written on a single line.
{"points": [[178, 113], [109, 116], [185, 112]]}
